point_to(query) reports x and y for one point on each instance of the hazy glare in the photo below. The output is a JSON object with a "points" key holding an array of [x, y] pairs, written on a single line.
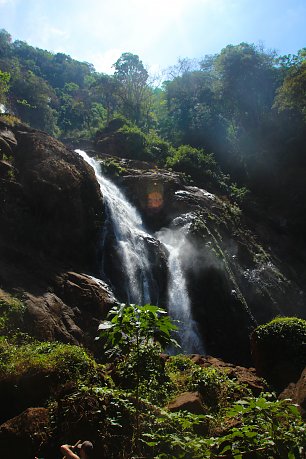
{"points": [[159, 31]]}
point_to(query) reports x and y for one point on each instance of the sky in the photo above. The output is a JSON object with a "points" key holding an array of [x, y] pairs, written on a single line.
{"points": [[158, 31]]}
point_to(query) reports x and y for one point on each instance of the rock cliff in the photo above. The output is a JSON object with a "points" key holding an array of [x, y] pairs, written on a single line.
{"points": [[51, 214]]}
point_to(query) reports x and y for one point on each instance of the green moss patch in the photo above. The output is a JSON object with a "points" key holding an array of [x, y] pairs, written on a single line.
{"points": [[11, 313], [67, 362]]}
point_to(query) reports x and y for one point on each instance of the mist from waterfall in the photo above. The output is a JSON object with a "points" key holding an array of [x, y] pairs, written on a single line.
{"points": [[131, 244]]}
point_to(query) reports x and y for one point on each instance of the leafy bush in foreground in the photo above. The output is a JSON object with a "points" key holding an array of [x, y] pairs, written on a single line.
{"points": [[130, 420], [256, 428]]}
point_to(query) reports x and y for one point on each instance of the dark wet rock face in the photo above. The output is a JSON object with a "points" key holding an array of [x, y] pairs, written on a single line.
{"points": [[50, 201], [51, 217]]}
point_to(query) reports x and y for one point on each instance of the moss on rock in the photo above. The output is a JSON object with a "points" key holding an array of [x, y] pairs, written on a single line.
{"points": [[279, 350]]}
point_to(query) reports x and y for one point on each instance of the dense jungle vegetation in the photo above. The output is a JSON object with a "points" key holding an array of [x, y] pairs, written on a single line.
{"points": [[241, 111], [124, 402]]}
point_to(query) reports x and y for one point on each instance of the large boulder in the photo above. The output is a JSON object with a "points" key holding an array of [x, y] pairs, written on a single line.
{"points": [[297, 393], [23, 435], [68, 308], [279, 350], [188, 401], [51, 218]]}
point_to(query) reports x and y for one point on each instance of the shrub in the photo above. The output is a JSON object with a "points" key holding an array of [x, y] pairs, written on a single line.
{"points": [[279, 350], [215, 387], [65, 361], [112, 167], [265, 427], [158, 148], [11, 120], [201, 166], [123, 138], [132, 142], [11, 313], [253, 427]]}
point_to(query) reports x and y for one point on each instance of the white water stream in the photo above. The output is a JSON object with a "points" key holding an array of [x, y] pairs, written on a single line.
{"points": [[131, 240], [179, 306], [130, 237]]}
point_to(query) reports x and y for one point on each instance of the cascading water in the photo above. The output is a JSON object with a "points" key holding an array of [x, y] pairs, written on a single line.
{"points": [[179, 306], [131, 239], [132, 246]]}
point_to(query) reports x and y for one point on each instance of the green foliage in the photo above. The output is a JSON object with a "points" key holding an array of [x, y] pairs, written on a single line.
{"points": [[123, 138], [33, 99], [266, 426], [4, 85], [145, 368], [133, 91], [259, 427], [178, 435], [137, 329], [201, 166], [108, 415], [253, 427], [112, 167], [121, 426], [158, 149], [284, 335], [291, 95], [239, 194], [216, 388], [11, 313], [281, 327], [132, 325], [133, 142], [65, 361]]}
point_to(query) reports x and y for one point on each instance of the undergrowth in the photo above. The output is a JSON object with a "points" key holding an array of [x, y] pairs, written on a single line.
{"points": [[67, 362], [124, 406], [11, 313]]}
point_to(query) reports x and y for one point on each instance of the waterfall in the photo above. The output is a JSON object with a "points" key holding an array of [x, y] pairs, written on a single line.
{"points": [[132, 247], [130, 236], [179, 306]]}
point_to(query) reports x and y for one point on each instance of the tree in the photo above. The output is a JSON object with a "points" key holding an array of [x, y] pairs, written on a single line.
{"points": [[4, 86], [248, 80], [5, 43], [105, 88], [291, 96], [32, 98], [191, 107], [132, 328], [133, 90]]}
